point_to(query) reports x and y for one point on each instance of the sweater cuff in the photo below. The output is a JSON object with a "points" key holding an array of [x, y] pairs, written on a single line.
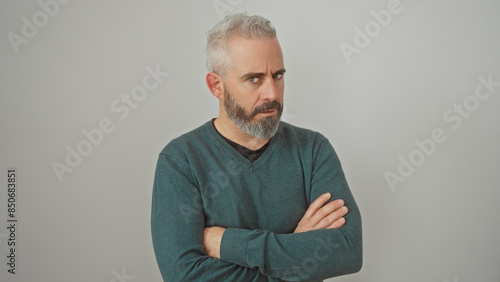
{"points": [[233, 247]]}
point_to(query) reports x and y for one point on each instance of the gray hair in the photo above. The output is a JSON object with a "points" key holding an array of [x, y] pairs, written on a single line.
{"points": [[251, 27]]}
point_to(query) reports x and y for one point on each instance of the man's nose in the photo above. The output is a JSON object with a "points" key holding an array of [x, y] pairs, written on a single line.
{"points": [[269, 90]]}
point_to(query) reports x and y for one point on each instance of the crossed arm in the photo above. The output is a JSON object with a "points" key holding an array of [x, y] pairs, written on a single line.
{"points": [[325, 243], [317, 216]]}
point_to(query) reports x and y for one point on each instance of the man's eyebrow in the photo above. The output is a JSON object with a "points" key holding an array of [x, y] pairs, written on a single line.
{"points": [[252, 74], [281, 71], [260, 74]]}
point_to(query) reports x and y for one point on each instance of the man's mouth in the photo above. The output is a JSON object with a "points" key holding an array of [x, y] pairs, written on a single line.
{"points": [[269, 112]]}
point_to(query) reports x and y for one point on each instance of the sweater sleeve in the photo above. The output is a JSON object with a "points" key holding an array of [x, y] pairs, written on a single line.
{"points": [[177, 224], [307, 256]]}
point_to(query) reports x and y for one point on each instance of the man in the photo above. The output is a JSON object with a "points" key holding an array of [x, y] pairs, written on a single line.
{"points": [[246, 197]]}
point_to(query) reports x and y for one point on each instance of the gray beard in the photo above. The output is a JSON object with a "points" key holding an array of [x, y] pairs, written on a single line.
{"points": [[264, 129]]}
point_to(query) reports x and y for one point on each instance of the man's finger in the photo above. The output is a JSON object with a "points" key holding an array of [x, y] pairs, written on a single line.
{"points": [[329, 213], [317, 204], [337, 223]]}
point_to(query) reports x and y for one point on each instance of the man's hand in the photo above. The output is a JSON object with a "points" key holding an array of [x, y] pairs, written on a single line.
{"points": [[317, 216], [212, 237], [321, 216]]}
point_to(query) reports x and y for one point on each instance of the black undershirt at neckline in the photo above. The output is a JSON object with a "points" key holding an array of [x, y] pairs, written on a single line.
{"points": [[250, 155]]}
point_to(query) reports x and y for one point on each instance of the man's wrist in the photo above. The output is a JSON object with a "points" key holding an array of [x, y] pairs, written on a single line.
{"points": [[234, 245], [212, 238]]}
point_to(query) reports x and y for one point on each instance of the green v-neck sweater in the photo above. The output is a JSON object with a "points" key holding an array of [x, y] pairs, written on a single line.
{"points": [[202, 181]]}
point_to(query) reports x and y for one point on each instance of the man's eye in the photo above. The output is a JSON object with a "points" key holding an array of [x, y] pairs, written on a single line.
{"points": [[278, 76], [253, 79]]}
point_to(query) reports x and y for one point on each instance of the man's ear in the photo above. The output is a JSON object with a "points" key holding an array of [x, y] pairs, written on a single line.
{"points": [[215, 84]]}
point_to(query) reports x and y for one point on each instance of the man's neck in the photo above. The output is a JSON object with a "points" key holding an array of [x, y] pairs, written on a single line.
{"points": [[227, 129]]}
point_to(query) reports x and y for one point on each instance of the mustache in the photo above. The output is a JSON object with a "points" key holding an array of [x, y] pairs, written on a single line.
{"points": [[267, 106]]}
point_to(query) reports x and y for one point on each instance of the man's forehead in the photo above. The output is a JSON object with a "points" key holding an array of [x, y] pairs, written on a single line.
{"points": [[255, 55]]}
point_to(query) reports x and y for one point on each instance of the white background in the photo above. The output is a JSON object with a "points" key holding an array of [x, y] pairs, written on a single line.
{"points": [[440, 224]]}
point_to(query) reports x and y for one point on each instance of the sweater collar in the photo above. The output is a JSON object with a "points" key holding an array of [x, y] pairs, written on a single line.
{"points": [[220, 142]]}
